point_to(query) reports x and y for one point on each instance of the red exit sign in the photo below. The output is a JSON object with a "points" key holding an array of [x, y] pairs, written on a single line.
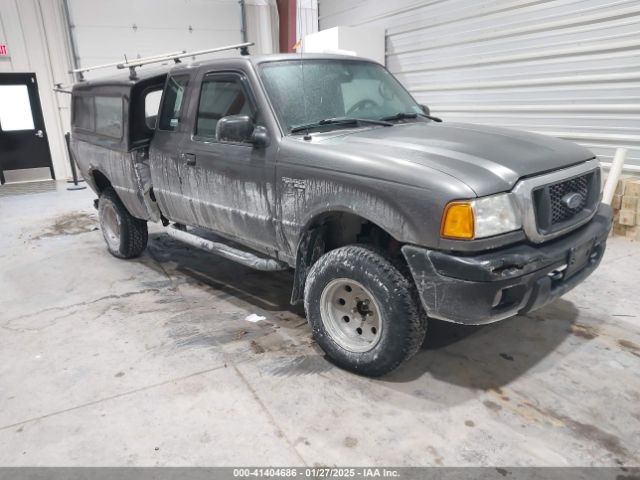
{"points": [[4, 51]]}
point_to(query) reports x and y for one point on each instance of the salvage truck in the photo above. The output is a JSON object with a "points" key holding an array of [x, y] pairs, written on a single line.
{"points": [[325, 164]]}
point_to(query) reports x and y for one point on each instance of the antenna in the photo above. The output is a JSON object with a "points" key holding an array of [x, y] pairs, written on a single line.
{"points": [[299, 44]]}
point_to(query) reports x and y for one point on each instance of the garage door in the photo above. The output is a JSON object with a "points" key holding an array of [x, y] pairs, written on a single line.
{"points": [[570, 69], [106, 31]]}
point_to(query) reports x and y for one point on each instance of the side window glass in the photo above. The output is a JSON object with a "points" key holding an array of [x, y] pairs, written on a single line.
{"points": [[83, 114], [220, 98], [151, 108], [109, 116], [172, 103]]}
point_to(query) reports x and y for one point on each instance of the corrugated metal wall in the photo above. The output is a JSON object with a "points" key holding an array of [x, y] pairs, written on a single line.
{"points": [[567, 68]]}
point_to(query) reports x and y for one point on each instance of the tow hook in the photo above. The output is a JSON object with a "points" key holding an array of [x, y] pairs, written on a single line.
{"points": [[558, 273]]}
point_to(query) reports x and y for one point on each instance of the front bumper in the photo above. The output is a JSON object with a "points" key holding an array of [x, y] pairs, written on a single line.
{"points": [[488, 287]]}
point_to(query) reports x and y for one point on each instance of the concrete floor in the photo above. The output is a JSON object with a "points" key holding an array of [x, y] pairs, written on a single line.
{"points": [[152, 362]]}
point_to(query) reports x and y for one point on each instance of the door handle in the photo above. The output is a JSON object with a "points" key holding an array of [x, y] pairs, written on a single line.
{"points": [[189, 158], [40, 134]]}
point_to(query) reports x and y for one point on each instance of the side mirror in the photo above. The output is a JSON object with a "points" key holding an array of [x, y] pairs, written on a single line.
{"points": [[235, 129], [260, 136], [241, 129]]}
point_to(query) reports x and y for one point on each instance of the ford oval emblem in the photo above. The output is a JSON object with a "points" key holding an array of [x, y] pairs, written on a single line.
{"points": [[572, 200]]}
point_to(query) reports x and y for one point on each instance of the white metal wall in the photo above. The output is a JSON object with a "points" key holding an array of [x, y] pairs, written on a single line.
{"points": [[263, 26], [567, 68], [306, 18], [35, 33], [106, 30]]}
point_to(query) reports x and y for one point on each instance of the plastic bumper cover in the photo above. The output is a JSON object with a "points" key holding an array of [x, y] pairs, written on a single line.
{"points": [[488, 287]]}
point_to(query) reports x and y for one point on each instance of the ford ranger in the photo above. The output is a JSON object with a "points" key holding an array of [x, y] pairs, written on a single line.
{"points": [[325, 164]]}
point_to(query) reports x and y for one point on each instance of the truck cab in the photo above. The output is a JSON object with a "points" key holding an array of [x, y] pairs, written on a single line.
{"points": [[213, 161]]}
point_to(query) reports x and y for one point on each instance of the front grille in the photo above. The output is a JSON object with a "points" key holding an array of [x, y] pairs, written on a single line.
{"points": [[561, 212], [553, 210]]}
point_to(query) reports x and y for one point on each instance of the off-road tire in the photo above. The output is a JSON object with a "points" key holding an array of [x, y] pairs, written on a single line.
{"points": [[131, 231], [404, 323]]}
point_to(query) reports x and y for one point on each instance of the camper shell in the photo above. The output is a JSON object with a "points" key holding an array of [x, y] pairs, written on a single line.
{"points": [[112, 124], [118, 112]]}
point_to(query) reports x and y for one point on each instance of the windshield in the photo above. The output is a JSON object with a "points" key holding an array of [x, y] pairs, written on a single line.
{"points": [[333, 89]]}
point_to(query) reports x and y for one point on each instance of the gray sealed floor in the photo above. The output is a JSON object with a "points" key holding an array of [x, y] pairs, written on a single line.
{"points": [[153, 362]]}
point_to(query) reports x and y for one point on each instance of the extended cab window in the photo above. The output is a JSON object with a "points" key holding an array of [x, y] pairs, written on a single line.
{"points": [[220, 97], [172, 103], [109, 116], [151, 107]]}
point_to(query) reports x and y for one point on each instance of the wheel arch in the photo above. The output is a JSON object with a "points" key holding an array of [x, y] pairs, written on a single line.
{"points": [[331, 229], [100, 181]]}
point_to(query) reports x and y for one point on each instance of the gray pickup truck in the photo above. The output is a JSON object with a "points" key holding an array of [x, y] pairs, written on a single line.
{"points": [[326, 165]]}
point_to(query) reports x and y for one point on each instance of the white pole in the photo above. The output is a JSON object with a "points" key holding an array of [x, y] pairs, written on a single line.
{"points": [[614, 175]]}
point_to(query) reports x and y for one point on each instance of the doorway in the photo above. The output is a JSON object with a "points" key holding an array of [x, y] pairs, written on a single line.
{"points": [[24, 145]]}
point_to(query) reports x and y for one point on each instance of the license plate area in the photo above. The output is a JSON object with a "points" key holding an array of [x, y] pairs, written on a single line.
{"points": [[577, 257]]}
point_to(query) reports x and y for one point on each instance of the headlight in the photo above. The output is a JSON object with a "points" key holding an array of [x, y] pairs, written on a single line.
{"points": [[479, 218]]}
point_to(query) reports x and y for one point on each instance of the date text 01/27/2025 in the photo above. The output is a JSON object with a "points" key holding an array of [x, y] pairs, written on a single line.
{"points": [[316, 472]]}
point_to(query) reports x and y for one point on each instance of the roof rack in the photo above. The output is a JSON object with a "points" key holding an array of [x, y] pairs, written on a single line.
{"points": [[161, 57], [175, 56]]}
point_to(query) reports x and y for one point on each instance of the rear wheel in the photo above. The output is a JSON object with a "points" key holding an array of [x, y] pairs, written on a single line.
{"points": [[125, 235], [363, 311]]}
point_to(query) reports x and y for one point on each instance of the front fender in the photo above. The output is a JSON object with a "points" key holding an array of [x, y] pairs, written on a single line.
{"points": [[306, 204], [408, 216]]}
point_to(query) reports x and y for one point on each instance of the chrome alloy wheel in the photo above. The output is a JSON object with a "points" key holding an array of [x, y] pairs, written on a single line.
{"points": [[111, 226], [351, 315]]}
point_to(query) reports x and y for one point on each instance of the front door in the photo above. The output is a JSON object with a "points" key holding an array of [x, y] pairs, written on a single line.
{"points": [[229, 185], [23, 137]]}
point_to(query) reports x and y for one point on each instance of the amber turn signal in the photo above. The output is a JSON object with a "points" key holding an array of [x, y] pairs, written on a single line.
{"points": [[457, 221]]}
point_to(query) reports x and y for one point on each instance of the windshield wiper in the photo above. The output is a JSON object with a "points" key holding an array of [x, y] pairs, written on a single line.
{"points": [[340, 121], [405, 115]]}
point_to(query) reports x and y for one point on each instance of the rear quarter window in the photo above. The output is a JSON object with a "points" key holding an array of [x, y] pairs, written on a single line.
{"points": [[83, 113], [102, 115], [109, 115]]}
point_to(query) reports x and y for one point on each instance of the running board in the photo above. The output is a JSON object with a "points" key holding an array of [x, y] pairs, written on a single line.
{"points": [[243, 257]]}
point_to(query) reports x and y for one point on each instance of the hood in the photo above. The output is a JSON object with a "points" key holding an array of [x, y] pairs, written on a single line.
{"points": [[487, 159]]}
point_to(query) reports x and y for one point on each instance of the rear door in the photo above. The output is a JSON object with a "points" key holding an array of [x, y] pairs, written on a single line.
{"points": [[23, 138], [164, 155]]}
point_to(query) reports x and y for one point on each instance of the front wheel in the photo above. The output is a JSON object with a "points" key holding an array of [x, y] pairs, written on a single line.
{"points": [[126, 236], [363, 311]]}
